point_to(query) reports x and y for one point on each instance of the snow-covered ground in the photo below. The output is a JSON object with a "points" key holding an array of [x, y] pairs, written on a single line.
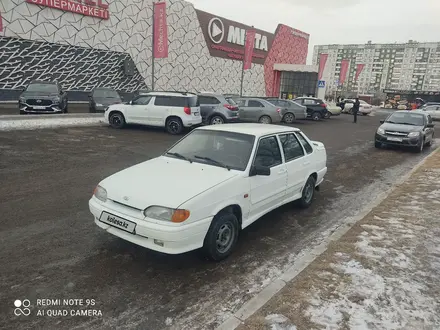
{"points": [[8, 124], [390, 280]]}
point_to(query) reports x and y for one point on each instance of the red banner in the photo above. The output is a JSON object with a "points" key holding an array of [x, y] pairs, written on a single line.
{"points": [[160, 30], [322, 61], [94, 8], [249, 49], [1, 22], [359, 69], [344, 71]]}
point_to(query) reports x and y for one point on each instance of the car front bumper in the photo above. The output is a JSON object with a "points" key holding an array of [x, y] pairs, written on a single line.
{"points": [[152, 235], [405, 141], [53, 108]]}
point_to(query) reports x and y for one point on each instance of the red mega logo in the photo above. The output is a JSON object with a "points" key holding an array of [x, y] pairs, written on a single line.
{"points": [[94, 8]]}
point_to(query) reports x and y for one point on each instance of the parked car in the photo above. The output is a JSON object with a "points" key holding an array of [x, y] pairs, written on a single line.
{"points": [[433, 110], [172, 110], [101, 98], [413, 129], [333, 109], [217, 109], [259, 110], [43, 97], [222, 179], [422, 107], [291, 110], [364, 107], [316, 108]]}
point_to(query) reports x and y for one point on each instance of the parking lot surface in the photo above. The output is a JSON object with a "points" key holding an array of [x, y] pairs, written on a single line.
{"points": [[52, 249]]}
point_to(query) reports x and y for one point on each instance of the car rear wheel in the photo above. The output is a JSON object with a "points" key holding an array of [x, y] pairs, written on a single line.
{"points": [[316, 116], [308, 193], [289, 118], [117, 120], [222, 236], [265, 120], [328, 115], [174, 125], [216, 120]]}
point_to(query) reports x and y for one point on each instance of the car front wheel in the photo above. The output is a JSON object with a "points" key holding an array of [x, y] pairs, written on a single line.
{"points": [[222, 236], [308, 193], [116, 120]]}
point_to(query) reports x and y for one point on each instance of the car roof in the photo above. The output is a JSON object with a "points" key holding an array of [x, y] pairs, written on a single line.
{"points": [[181, 94], [251, 129], [306, 97], [411, 111], [43, 82]]}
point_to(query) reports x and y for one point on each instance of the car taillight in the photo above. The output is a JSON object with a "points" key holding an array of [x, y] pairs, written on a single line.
{"points": [[230, 107], [323, 105], [278, 110], [187, 110]]}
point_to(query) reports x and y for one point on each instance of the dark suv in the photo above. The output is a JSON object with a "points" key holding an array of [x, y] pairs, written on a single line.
{"points": [[43, 97], [316, 108], [101, 98]]}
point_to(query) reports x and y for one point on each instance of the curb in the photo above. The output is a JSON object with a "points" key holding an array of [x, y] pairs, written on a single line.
{"points": [[255, 303]]}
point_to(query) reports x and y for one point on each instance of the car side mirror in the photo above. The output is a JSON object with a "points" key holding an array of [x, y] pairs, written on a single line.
{"points": [[131, 102], [259, 170], [382, 121], [430, 125]]}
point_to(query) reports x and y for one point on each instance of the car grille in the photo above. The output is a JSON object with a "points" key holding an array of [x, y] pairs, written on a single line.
{"points": [[38, 102], [399, 134]]}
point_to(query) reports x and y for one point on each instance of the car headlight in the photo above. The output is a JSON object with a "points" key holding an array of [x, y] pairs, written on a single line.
{"points": [[380, 131], [166, 214], [100, 193], [22, 99], [413, 134], [99, 105]]}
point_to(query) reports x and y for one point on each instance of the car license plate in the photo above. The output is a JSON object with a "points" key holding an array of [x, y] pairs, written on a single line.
{"points": [[395, 139], [118, 222], [39, 107]]}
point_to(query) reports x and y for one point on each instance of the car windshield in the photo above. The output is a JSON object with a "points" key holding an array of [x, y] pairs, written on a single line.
{"points": [[43, 88], [217, 148], [407, 118], [106, 93]]}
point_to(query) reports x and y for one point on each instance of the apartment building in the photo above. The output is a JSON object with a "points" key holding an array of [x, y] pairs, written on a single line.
{"points": [[413, 66]]}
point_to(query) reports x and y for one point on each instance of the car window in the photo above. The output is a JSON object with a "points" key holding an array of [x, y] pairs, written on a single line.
{"points": [[141, 100], [291, 147], [304, 143], [231, 101], [241, 103], [268, 153], [176, 101], [255, 104], [208, 100], [309, 101], [106, 93], [299, 101]]}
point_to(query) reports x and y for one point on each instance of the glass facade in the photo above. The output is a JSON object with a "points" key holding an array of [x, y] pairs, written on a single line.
{"points": [[296, 84]]}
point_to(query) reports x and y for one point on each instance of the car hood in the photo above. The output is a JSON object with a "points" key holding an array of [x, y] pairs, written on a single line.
{"points": [[163, 181], [39, 95], [401, 128]]}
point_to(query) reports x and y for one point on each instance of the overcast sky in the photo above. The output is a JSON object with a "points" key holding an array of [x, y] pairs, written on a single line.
{"points": [[337, 21]]}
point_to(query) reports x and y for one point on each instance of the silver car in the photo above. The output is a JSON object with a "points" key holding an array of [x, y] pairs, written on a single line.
{"points": [[433, 111], [291, 110], [259, 110]]}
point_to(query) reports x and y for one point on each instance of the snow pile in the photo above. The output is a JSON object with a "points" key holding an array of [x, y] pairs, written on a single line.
{"points": [[391, 279], [278, 322], [39, 123]]}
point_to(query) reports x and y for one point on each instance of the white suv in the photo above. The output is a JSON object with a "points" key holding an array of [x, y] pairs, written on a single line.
{"points": [[172, 110]]}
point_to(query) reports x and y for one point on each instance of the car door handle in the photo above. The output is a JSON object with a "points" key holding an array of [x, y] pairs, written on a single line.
{"points": [[282, 171], [306, 163]]}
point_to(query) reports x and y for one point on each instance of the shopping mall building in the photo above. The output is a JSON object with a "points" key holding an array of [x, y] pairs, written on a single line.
{"points": [[89, 43]]}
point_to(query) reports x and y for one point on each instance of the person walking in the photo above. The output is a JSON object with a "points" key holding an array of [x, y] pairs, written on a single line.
{"points": [[355, 109]]}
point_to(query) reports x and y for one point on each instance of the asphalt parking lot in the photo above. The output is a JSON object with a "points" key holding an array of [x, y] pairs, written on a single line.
{"points": [[51, 249]]}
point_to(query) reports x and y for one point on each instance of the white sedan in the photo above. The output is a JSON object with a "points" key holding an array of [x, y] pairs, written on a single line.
{"points": [[211, 184], [364, 107], [433, 111]]}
